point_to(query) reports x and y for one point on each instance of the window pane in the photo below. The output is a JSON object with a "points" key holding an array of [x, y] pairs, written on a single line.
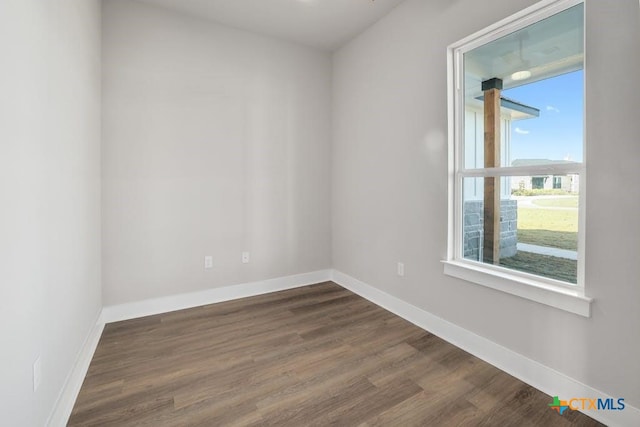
{"points": [[536, 228], [556, 135], [540, 89]]}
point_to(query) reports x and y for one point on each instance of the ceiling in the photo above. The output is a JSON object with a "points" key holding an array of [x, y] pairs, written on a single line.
{"points": [[323, 24]]}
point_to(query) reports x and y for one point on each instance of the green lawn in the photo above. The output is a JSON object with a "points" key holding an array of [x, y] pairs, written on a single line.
{"points": [[553, 239], [556, 228], [560, 202], [548, 227], [543, 265]]}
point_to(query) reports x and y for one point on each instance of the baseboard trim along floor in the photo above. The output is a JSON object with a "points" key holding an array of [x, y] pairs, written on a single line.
{"points": [[73, 383], [531, 372], [115, 313], [153, 306]]}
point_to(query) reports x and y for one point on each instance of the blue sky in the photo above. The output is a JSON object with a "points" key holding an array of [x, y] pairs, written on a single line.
{"points": [[558, 132]]}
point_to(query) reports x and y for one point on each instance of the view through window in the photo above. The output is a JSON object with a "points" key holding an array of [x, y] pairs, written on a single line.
{"points": [[521, 151]]}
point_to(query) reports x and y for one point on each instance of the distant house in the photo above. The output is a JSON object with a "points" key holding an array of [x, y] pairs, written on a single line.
{"points": [[569, 183]]}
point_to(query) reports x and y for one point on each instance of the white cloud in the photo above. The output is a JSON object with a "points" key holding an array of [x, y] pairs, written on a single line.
{"points": [[552, 108], [522, 131]]}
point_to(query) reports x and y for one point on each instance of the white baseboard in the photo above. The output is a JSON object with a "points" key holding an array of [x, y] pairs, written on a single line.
{"points": [[167, 304], [531, 372], [73, 383], [69, 394]]}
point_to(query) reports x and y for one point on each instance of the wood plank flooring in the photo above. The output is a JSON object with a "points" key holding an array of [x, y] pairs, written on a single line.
{"points": [[318, 355]]}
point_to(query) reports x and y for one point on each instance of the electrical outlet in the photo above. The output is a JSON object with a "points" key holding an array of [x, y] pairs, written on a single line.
{"points": [[245, 257], [401, 269], [208, 262], [37, 373]]}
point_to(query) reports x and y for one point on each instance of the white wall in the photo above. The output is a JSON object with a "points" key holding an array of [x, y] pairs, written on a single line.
{"points": [[49, 197], [390, 186], [215, 141]]}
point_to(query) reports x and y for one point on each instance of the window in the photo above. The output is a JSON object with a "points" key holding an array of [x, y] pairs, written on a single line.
{"points": [[537, 182], [557, 183], [516, 156]]}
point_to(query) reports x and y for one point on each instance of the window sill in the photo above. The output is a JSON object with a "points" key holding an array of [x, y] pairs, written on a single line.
{"points": [[565, 299]]}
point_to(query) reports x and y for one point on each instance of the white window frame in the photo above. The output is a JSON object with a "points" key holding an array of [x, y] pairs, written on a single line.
{"points": [[543, 290]]}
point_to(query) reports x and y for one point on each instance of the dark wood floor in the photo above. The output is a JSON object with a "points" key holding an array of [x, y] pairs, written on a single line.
{"points": [[316, 355]]}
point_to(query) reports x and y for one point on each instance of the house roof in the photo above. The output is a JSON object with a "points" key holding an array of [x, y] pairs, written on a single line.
{"points": [[516, 109]]}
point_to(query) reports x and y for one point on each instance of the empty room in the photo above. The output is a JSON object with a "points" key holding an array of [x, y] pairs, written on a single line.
{"points": [[319, 212]]}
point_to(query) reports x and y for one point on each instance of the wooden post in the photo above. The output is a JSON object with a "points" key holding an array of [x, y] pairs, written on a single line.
{"points": [[491, 247]]}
